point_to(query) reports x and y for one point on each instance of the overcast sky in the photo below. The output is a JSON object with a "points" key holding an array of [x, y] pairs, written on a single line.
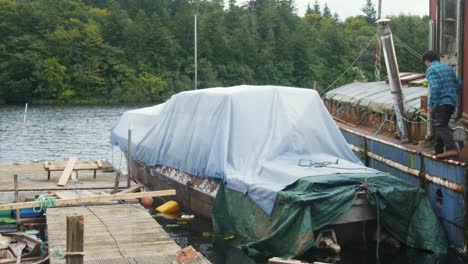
{"points": [[347, 8]]}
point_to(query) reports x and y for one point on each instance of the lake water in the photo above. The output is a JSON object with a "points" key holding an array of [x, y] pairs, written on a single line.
{"points": [[58, 132]]}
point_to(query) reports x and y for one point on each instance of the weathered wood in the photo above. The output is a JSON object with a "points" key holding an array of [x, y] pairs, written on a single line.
{"points": [[75, 242], [15, 181], [96, 199], [99, 163], [117, 180], [66, 173], [131, 189], [129, 159], [110, 232]]}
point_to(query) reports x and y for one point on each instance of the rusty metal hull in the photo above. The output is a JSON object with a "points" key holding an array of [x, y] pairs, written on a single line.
{"points": [[444, 181], [197, 194]]}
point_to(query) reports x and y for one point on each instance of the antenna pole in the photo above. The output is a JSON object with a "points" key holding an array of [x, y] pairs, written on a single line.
{"points": [[195, 51]]}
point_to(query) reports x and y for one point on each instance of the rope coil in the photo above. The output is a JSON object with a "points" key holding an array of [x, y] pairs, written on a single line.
{"points": [[44, 202]]}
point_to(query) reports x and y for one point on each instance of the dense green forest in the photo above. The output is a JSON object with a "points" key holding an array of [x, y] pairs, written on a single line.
{"points": [[139, 50]]}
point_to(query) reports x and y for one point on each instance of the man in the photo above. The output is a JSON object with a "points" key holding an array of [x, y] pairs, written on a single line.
{"points": [[443, 100]]}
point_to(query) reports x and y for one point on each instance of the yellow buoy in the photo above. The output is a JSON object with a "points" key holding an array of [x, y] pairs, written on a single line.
{"points": [[168, 207]]}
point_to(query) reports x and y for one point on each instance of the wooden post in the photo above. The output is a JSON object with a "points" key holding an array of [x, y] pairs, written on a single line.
{"points": [[75, 239], [117, 181], [15, 180], [315, 85], [129, 167]]}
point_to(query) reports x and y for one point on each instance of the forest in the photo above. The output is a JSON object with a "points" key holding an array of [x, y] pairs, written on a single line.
{"points": [[143, 50]]}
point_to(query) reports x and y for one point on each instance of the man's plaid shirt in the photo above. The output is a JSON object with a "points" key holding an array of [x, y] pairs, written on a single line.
{"points": [[444, 84]]}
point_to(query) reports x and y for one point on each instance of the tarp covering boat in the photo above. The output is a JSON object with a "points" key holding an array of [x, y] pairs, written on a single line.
{"points": [[314, 202], [377, 96], [252, 137], [280, 147]]}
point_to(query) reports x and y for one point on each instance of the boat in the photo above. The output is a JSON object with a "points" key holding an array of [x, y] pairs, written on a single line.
{"points": [[365, 115], [269, 166]]}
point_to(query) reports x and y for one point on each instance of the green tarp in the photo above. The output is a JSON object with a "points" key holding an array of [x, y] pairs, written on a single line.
{"points": [[314, 202]]}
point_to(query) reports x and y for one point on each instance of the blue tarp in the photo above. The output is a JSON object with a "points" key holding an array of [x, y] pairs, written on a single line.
{"points": [[258, 139]]}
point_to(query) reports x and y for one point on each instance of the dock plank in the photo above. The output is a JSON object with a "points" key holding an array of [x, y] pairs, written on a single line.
{"points": [[112, 232]]}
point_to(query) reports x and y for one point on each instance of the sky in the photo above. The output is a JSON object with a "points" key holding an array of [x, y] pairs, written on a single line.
{"points": [[347, 8]]}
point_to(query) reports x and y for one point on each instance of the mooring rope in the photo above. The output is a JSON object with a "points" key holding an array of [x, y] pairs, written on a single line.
{"points": [[44, 202]]}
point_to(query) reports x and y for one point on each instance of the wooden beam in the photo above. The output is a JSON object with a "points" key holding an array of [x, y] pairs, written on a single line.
{"points": [[131, 189], [75, 239], [66, 173], [95, 199], [18, 213], [117, 181]]}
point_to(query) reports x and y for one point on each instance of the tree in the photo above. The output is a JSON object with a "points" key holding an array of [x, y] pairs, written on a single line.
{"points": [[316, 7], [369, 12], [327, 11]]}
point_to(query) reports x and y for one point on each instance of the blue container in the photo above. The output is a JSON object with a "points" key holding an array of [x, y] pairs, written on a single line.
{"points": [[27, 213]]}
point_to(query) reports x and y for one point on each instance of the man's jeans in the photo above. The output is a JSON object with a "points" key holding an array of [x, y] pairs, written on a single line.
{"points": [[443, 134]]}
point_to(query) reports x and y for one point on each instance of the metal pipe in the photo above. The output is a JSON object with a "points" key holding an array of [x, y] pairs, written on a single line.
{"points": [[414, 172], [432, 46], [391, 63]]}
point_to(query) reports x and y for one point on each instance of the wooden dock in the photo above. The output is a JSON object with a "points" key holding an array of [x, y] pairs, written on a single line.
{"points": [[32, 180], [123, 233]]}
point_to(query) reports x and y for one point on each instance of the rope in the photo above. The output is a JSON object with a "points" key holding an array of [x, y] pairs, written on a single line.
{"points": [[412, 51], [378, 65], [44, 202], [349, 67]]}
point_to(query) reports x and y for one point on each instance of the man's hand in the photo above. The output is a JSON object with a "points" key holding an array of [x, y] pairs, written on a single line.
{"points": [[429, 110]]}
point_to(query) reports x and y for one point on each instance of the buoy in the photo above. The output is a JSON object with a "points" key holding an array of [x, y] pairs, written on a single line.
{"points": [[168, 207], [146, 202]]}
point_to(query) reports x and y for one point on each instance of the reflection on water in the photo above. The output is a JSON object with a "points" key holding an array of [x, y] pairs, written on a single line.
{"points": [[58, 132], [219, 251]]}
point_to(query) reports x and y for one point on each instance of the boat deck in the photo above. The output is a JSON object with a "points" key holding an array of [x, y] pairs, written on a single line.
{"points": [[425, 149], [123, 233]]}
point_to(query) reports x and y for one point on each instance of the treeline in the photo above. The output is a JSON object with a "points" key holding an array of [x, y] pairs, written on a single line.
{"points": [[140, 50]]}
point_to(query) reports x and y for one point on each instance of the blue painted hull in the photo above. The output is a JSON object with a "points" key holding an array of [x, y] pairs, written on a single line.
{"points": [[415, 168]]}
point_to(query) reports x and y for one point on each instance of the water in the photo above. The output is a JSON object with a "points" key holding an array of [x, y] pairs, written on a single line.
{"points": [[58, 132]]}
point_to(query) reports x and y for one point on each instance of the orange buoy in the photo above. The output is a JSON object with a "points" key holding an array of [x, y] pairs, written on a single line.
{"points": [[168, 207], [146, 202]]}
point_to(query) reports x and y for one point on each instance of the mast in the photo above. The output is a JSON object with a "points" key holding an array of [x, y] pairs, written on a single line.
{"points": [[391, 63]]}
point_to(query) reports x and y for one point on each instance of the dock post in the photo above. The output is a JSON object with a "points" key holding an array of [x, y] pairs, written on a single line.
{"points": [[117, 182], [15, 180], [75, 231], [129, 167]]}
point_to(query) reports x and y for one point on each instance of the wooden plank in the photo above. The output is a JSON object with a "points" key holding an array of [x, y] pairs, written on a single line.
{"points": [[131, 189], [99, 163], [74, 194], [78, 166], [95, 199], [66, 173]]}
